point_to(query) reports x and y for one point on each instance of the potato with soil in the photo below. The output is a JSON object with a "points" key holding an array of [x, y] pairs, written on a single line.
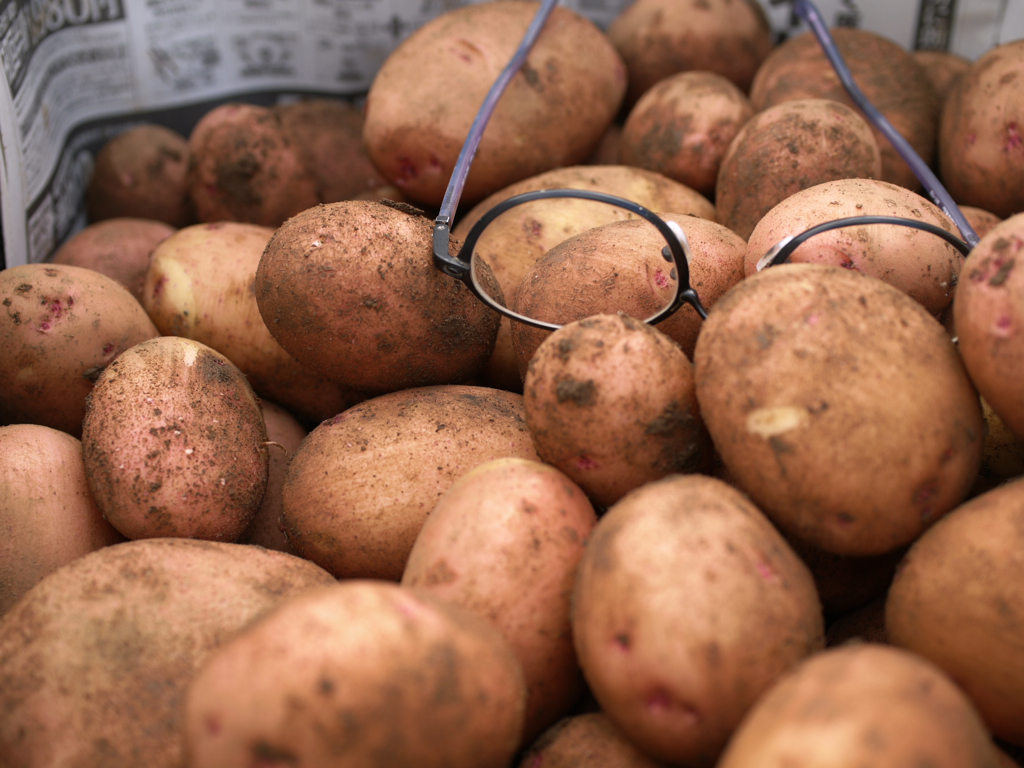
{"points": [[175, 444], [840, 405], [683, 126], [119, 248], [981, 133], [361, 485], [943, 68], [588, 740], [140, 174], [988, 312], [95, 660], [378, 676], [618, 267], [787, 148], [504, 542], [862, 704], [688, 605], [610, 402], [427, 93], [245, 166], [200, 286], [885, 72], [47, 512], [658, 38], [921, 264], [956, 600], [351, 291], [60, 326]]}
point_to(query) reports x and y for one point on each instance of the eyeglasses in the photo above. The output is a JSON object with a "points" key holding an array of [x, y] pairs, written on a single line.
{"points": [[469, 268]]}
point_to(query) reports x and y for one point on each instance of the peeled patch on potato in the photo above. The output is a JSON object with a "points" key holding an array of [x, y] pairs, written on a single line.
{"points": [[374, 674], [840, 405], [351, 291]]}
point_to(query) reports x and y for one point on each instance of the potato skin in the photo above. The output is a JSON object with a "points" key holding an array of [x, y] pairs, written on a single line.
{"points": [[378, 676], [840, 405], [96, 658], [981, 148], [553, 113], [677, 579], [361, 485], [174, 443], [47, 512], [988, 312], [862, 704], [351, 291], [504, 541], [588, 740], [60, 326], [610, 402], [956, 600]]}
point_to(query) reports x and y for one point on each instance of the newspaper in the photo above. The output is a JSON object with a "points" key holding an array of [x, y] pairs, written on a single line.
{"points": [[77, 72]]}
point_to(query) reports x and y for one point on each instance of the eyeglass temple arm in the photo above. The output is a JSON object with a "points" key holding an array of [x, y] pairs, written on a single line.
{"points": [[442, 224], [940, 196]]}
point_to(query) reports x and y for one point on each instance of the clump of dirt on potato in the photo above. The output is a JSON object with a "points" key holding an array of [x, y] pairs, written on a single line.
{"points": [[376, 675], [659, 38], [945, 606], [789, 147], [988, 313], [504, 542], [862, 703], [553, 112], [610, 402], [840, 405], [175, 443], [981, 133], [60, 326], [96, 658], [683, 126], [361, 485], [885, 72], [351, 291], [688, 605], [141, 174]]}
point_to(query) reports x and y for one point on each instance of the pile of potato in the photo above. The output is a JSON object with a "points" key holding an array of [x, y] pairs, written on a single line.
{"points": [[278, 492]]}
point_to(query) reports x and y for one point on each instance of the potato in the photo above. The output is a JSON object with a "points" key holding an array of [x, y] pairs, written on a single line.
{"points": [[1002, 458], [140, 174], [886, 73], [47, 512], [361, 485], [789, 147], [244, 166], [610, 402], [922, 265], [987, 311], [60, 326], [329, 133], [284, 436], [377, 675], [504, 542], [687, 606], [866, 624], [201, 286], [682, 126], [428, 91], [95, 660], [351, 291], [610, 269], [840, 405], [943, 69], [657, 39], [981, 144], [956, 600], [862, 704], [981, 221], [174, 443], [119, 248], [588, 740]]}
